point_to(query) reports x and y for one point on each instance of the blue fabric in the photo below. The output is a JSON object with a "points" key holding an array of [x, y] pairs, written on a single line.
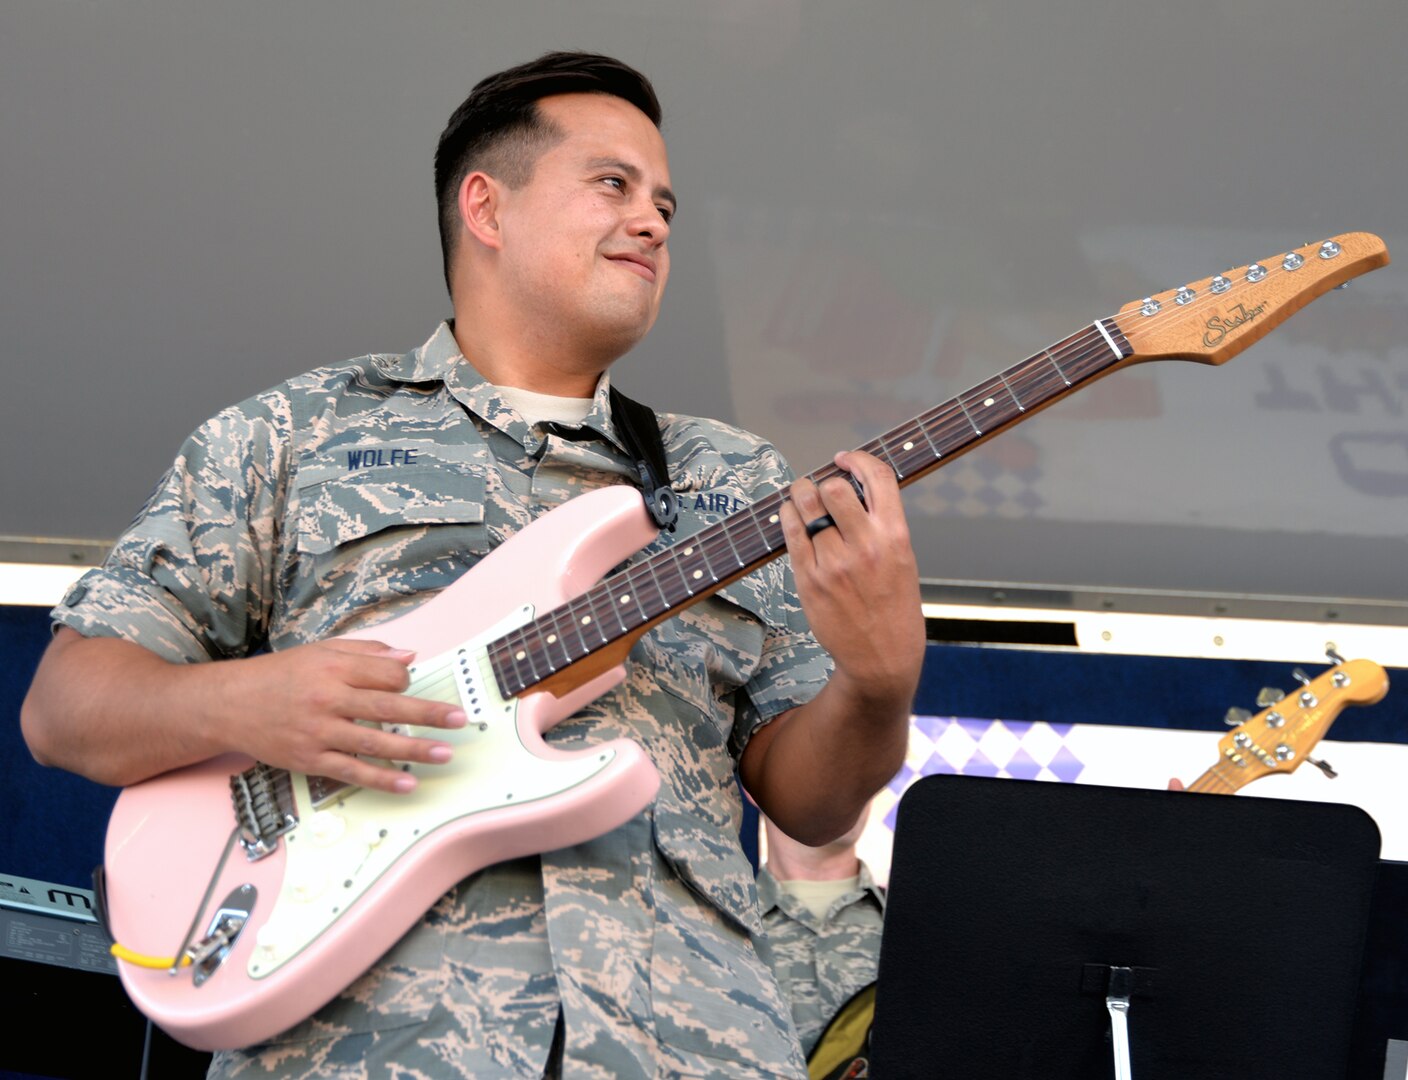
{"points": [[1070, 687], [55, 822]]}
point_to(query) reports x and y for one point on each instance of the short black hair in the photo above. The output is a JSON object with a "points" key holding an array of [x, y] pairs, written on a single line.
{"points": [[500, 129]]}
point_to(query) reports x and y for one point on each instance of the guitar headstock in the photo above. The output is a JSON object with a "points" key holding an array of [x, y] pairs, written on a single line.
{"points": [[1214, 319], [1281, 736]]}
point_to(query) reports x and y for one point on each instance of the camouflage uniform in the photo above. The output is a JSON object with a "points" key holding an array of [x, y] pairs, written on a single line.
{"points": [[821, 963], [265, 534]]}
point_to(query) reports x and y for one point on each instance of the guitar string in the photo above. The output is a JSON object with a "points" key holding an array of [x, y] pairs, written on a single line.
{"points": [[943, 418], [940, 421]]}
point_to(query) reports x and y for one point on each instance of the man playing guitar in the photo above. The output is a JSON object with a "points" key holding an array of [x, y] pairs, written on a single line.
{"points": [[349, 495]]}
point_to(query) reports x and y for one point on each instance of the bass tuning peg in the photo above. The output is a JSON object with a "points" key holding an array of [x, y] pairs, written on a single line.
{"points": [[1324, 766], [1236, 717]]}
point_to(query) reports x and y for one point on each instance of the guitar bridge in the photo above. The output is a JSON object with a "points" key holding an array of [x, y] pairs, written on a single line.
{"points": [[264, 808]]}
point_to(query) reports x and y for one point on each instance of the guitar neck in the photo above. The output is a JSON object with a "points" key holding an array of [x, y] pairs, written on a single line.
{"points": [[1221, 779], [1209, 320], [628, 603]]}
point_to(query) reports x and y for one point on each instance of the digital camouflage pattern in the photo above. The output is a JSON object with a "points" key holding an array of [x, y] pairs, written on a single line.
{"points": [[821, 963], [348, 495]]}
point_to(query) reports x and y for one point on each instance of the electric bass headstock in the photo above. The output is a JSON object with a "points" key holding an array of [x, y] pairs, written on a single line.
{"points": [[1214, 319], [1282, 735]]}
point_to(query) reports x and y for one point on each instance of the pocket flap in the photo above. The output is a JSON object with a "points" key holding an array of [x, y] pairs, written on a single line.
{"points": [[336, 510]]}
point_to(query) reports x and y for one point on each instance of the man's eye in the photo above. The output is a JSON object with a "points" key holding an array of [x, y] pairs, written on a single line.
{"points": [[614, 181], [666, 213]]}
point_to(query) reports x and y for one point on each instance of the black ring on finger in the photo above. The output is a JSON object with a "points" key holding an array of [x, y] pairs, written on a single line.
{"points": [[820, 524]]}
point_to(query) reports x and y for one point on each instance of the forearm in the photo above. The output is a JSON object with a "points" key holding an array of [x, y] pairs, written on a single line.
{"points": [[117, 713], [813, 769]]}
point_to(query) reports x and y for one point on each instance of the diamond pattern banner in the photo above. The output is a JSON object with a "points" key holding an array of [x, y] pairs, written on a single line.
{"points": [[972, 747], [967, 746], [1125, 756]]}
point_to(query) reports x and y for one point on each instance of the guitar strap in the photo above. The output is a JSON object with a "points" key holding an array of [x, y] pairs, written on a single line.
{"points": [[639, 429]]}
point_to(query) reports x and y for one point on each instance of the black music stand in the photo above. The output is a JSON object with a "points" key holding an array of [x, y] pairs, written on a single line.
{"points": [[1241, 920]]}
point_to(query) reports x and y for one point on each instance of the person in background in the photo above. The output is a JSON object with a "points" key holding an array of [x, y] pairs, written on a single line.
{"points": [[824, 914]]}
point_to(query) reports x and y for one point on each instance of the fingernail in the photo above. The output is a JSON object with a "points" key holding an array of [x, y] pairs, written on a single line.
{"points": [[440, 753], [402, 654], [456, 718], [404, 784]]}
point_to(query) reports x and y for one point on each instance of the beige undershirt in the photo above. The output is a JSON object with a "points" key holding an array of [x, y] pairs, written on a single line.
{"points": [[536, 408], [818, 896]]}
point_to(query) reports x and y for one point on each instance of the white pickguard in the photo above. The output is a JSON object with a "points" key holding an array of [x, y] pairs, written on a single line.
{"points": [[341, 848]]}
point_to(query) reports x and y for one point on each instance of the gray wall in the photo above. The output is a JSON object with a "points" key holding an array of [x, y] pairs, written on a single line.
{"points": [[881, 205]]}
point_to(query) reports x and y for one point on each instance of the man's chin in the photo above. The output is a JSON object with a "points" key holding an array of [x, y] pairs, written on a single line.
{"points": [[618, 336]]}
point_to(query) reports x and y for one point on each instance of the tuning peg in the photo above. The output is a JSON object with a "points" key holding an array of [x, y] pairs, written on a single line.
{"points": [[1300, 676], [1324, 767], [1333, 654], [1268, 695], [1236, 717]]}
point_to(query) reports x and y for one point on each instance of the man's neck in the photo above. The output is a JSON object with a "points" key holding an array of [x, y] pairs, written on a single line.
{"points": [[528, 358], [816, 864]]}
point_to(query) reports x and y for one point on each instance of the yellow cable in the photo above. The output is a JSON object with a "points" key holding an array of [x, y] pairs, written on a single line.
{"points": [[124, 953]]}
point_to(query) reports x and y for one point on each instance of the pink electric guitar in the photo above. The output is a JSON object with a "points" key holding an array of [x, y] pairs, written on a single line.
{"points": [[244, 897]]}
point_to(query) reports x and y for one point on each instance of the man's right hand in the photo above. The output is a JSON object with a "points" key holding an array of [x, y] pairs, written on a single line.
{"points": [[298, 708], [117, 713]]}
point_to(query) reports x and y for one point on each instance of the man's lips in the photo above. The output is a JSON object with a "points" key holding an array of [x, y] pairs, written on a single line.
{"points": [[638, 264]]}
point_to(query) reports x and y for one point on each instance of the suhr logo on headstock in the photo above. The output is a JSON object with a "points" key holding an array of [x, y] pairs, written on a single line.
{"points": [[1219, 326]]}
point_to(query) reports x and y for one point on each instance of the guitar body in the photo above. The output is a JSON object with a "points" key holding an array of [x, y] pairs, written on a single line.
{"points": [[360, 867]]}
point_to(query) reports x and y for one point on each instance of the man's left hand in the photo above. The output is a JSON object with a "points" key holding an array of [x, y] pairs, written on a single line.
{"points": [[858, 580]]}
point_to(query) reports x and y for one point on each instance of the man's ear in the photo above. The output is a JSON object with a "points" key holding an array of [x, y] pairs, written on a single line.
{"points": [[479, 201]]}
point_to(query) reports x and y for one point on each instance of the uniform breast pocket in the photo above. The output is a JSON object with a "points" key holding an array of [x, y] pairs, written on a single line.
{"points": [[370, 537]]}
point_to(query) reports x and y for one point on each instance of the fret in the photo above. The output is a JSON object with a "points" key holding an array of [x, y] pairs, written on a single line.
{"points": [[510, 679], [593, 616], [525, 654], [546, 654], [727, 535], [679, 569], [753, 517], [976, 429], [578, 629], [1015, 399], [655, 580], [635, 598], [618, 608], [1058, 368], [924, 430], [886, 452], [555, 638], [708, 562]]}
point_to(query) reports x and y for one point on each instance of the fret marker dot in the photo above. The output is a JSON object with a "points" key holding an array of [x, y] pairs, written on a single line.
{"points": [[698, 574], [989, 401], [626, 599], [772, 520], [689, 551], [552, 639], [586, 619], [520, 655], [908, 446]]}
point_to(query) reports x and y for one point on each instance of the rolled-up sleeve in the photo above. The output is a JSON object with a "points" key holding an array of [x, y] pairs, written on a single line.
{"points": [[192, 577]]}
